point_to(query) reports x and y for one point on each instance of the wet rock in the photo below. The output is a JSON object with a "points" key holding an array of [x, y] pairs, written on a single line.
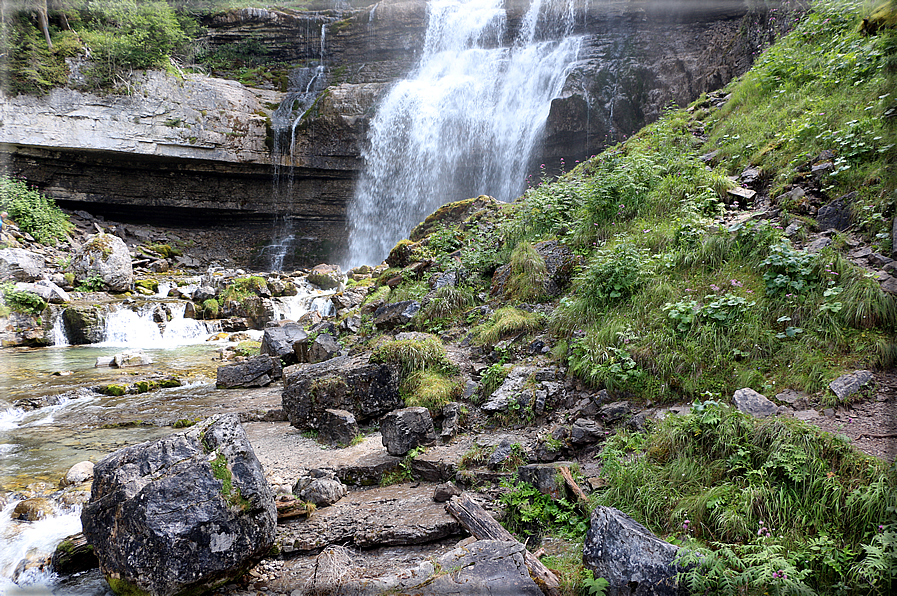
{"points": [[545, 478], [347, 299], [511, 390], [351, 324], [503, 453], [405, 429], [750, 402], [184, 513], [203, 293], [440, 463], [586, 432], [19, 264], [74, 555], [79, 473], [444, 492], [629, 556], [84, 324], [847, 385], [324, 348], [614, 412], [451, 419], [836, 215], [104, 256], [33, 403], [348, 383], [338, 427], [130, 359], [34, 509], [485, 567], [396, 314], [368, 469], [326, 277], [257, 371], [393, 515], [279, 341]]}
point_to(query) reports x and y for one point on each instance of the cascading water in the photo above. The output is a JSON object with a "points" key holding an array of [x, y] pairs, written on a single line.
{"points": [[140, 328], [306, 84], [467, 120]]}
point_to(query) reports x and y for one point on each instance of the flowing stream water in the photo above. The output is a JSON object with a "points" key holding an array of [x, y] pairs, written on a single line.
{"points": [[467, 120], [38, 446]]}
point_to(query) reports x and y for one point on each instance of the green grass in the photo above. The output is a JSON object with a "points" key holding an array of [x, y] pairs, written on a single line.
{"points": [[736, 478], [506, 322], [34, 213], [431, 389]]}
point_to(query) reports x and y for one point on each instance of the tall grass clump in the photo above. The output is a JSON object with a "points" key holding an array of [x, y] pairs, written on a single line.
{"points": [[743, 492], [528, 274], [506, 322], [427, 376]]}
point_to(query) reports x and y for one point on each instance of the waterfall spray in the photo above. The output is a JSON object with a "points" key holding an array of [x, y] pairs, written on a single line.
{"points": [[466, 121]]}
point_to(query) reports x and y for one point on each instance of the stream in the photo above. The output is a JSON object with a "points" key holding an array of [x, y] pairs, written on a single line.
{"points": [[37, 447]]}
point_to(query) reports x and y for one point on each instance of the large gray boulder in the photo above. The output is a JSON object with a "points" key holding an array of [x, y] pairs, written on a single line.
{"points": [[181, 514], [393, 315], [84, 324], [750, 402], [278, 341], [629, 556], [20, 265], [104, 256], [349, 383], [258, 371], [845, 386], [405, 429]]}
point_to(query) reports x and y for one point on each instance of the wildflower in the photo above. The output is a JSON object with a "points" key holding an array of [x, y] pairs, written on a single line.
{"points": [[736, 283], [714, 287]]}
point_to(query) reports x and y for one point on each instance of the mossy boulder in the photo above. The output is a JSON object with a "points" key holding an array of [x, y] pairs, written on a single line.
{"points": [[104, 257], [84, 324], [453, 214]]}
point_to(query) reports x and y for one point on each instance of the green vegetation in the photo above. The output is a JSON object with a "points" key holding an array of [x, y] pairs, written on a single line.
{"points": [[242, 289], [428, 377], [248, 348], [506, 322], [24, 302], [755, 499], [526, 281], [403, 473], [231, 494], [33, 212]]}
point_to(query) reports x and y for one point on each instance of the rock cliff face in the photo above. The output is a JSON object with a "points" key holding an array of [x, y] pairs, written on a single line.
{"points": [[197, 147]]}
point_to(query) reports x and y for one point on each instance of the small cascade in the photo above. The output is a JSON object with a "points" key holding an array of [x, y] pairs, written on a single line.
{"points": [[164, 288], [24, 542], [293, 307], [58, 332], [153, 325], [466, 121], [323, 306]]}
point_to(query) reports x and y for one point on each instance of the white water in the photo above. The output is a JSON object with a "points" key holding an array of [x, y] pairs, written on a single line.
{"points": [[466, 121], [31, 541], [58, 332], [139, 329], [293, 307]]}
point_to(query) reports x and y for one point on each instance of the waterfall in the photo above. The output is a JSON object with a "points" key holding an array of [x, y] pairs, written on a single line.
{"points": [[467, 120], [58, 332], [141, 328]]}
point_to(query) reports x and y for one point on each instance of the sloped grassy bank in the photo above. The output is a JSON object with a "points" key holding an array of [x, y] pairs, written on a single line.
{"points": [[686, 291]]}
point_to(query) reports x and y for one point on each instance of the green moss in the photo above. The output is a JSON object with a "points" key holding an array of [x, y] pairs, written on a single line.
{"points": [[231, 494], [115, 390], [248, 348], [125, 588], [149, 284], [210, 309], [186, 422], [144, 386], [169, 383], [431, 389]]}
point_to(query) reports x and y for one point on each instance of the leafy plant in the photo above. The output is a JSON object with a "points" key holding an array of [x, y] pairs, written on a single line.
{"points": [[35, 213], [22, 301], [530, 513], [788, 270]]}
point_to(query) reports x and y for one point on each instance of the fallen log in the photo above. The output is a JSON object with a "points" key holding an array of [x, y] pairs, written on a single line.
{"points": [[292, 508], [483, 526], [568, 479]]}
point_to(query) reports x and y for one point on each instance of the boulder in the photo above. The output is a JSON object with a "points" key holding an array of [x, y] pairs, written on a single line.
{"points": [[405, 429], [338, 427], [278, 341], [347, 299], [451, 419], [203, 293], [326, 277], [750, 402], [181, 514], [320, 487], [47, 290], [258, 371], [368, 469], [79, 473], [614, 412], [131, 358], [836, 215], [393, 315], [512, 389], [104, 256], [846, 385], [324, 348], [33, 509], [84, 324], [633, 560], [20, 265], [445, 491], [73, 555], [348, 383], [586, 432]]}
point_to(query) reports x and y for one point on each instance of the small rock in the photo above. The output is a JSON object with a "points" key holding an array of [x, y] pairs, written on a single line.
{"points": [[323, 492], [445, 491], [33, 509], [79, 473], [405, 429], [586, 432], [451, 420], [847, 385], [326, 277], [818, 244], [750, 402], [257, 371], [393, 315], [545, 478], [611, 413], [131, 358], [324, 348], [338, 427]]}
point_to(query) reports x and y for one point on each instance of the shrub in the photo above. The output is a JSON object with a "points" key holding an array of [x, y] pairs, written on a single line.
{"points": [[612, 277], [32, 211], [24, 302], [526, 281], [431, 389]]}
